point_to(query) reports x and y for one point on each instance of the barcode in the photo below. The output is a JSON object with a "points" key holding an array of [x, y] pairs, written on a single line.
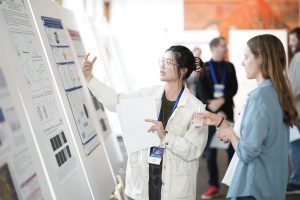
{"points": [[58, 140], [63, 155]]}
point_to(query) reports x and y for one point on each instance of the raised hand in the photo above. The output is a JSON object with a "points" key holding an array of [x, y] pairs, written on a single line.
{"points": [[87, 67]]}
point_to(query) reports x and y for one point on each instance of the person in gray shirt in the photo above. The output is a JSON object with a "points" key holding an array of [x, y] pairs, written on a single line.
{"points": [[294, 77]]}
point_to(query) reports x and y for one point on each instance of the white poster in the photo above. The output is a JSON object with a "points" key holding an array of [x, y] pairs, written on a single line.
{"points": [[87, 133], [71, 82], [36, 71], [18, 178]]}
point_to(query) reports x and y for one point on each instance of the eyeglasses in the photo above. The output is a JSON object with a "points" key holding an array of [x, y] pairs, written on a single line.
{"points": [[166, 63]]}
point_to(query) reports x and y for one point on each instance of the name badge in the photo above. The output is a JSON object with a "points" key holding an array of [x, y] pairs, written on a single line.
{"points": [[156, 155], [219, 90]]}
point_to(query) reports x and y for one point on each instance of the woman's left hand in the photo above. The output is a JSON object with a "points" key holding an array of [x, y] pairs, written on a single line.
{"points": [[209, 119], [158, 127]]}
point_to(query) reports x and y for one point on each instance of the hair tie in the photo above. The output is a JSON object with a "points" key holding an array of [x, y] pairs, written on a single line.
{"points": [[198, 64]]}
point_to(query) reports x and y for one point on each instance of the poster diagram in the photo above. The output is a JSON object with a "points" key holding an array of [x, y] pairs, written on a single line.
{"points": [[34, 67], [32, 63], [47, 110], [14, 150], [80, 113], [103, 120], [71, 82]]}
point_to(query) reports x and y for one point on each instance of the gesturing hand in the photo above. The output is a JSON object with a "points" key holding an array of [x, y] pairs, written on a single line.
{"points": [[87, 67], [158, 127], [209, 119]]}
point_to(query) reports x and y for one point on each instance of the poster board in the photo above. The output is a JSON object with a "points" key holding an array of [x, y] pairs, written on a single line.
{"points": [[77, 107], [33, 79], [20, 177], [68, 72]]}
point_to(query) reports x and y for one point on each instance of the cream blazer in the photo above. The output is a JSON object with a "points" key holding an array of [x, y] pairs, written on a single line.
{"points": [[184, 144]]}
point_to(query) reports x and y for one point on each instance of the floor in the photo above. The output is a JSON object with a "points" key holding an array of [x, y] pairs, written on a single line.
{"points": [[202, 174]]}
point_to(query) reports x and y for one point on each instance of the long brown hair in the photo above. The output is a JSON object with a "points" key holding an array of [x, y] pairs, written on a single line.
{"points": [[271, 51]]}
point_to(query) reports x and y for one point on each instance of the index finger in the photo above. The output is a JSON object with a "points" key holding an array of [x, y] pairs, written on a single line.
{"points": [[151, 120], [86, 57]]}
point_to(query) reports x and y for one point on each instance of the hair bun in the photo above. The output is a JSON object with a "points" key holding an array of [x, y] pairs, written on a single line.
{"points": [[199, 64]]}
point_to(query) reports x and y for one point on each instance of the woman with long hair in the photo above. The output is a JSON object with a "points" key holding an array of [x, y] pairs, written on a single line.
{"points": [[261, 137]]}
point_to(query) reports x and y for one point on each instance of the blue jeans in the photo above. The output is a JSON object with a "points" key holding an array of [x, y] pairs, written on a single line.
{"points": [[294, 152]]}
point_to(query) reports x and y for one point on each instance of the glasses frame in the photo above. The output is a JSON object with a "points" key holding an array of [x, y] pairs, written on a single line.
{"points": [[166, 63]]}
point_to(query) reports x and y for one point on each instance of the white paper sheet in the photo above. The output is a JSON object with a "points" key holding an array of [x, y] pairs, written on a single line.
{"points": [[235, 159], [132, 114], [294, 134], [230, 170]]}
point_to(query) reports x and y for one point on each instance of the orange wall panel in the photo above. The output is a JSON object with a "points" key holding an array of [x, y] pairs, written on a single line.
{"points": [[240, 14]]}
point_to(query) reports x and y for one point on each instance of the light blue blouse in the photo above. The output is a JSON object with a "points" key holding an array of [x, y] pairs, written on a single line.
{"points": [[262, 171]]}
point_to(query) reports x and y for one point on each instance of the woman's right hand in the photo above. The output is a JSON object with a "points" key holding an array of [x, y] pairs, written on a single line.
{"points": [[87, 67]]}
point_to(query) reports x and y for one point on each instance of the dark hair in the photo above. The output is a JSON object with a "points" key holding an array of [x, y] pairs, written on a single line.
{"points": [[185, 59], [296, 31], [216, 41], [273, 67]]}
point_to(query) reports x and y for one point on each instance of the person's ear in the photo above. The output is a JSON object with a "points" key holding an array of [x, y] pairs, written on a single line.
{"points": [[183, 72]]}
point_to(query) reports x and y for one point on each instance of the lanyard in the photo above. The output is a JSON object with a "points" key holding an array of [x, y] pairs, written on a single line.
{"points": [[213, 74], [174, 107]]}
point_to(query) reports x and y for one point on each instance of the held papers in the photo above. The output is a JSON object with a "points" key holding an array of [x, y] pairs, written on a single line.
{"points": [[294, 134], [132, 114]]}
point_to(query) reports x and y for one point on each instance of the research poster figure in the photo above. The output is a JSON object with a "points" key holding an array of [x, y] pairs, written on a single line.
{"points": [[259, 168], [56, 37], [173, 172]]}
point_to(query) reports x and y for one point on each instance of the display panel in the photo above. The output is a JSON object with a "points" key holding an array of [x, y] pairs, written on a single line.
{"points": [[71, 81]]}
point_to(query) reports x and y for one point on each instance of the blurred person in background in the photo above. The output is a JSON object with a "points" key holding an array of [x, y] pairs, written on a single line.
{"points": [[191, 81], [216, 87], [294, 77]]}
